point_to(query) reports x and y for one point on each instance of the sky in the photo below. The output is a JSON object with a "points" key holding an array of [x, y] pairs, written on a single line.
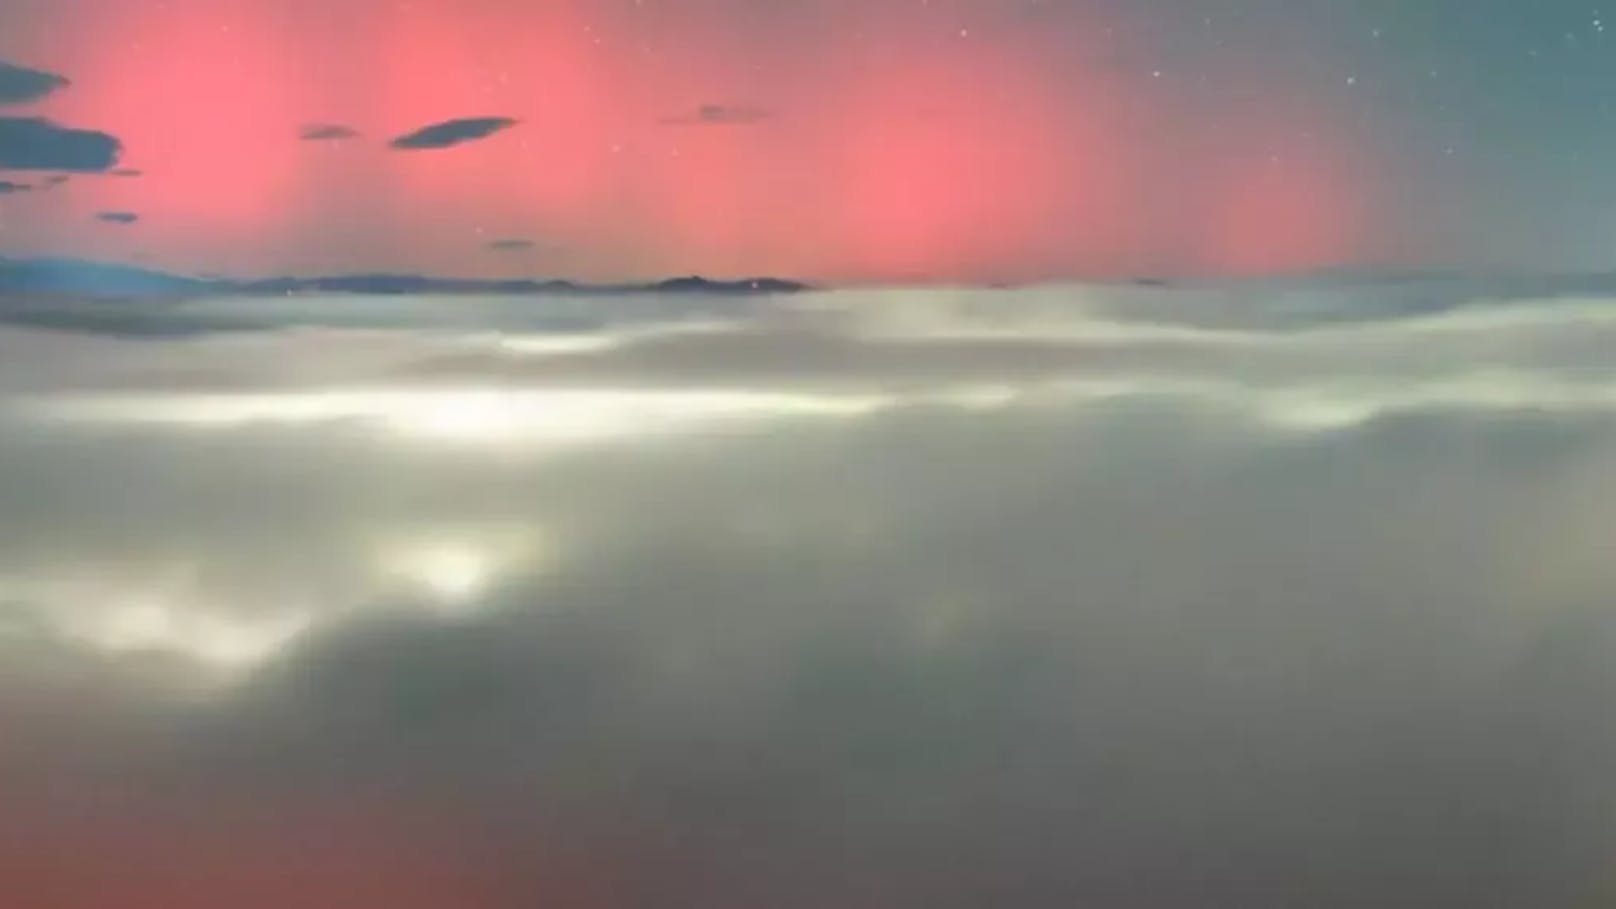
{"points": [[881, 141], [1126, 593], [1124, 596]]}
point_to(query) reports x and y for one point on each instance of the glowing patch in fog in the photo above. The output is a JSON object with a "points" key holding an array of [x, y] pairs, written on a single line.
{"points": [[450, 573], [477, 416], [220, 641]]}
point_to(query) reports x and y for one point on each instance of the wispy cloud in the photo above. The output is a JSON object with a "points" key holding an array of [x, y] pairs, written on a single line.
{"points": [[512, 244], [327, 132], [720, 115]]}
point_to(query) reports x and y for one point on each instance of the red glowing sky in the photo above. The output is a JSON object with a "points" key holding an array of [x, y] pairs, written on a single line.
{"points": [[881, 140]]}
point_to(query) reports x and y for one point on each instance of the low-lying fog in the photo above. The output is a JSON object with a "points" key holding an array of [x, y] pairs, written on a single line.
{"points": [[1247, 596]]}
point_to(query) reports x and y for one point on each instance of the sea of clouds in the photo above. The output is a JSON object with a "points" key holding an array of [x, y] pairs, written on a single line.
{"points": [[1266, 594]]}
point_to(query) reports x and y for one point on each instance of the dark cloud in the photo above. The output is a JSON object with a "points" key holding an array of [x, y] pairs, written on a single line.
{"points": [[452, 132], [7, 187], [512, 245], [19, 84], [118, 217], [127, 172], [52, 181], [327, 132], [34, 143], [720, 115]]}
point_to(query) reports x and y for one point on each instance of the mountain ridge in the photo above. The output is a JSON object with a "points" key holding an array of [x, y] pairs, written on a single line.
{"points": [[85, 278]]}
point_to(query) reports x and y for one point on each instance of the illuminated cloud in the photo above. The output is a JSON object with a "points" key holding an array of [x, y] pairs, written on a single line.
{"points": [[20, 84], [916, 650], [980, 574], [34, 143], [452, 132]]}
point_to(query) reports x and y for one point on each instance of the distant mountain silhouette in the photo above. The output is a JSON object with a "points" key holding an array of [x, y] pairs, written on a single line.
{"points": [[385, 284], [74, 277], [745, 286]]}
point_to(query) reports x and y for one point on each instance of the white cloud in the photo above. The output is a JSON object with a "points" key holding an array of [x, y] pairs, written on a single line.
{"points": [[1216, 611]]}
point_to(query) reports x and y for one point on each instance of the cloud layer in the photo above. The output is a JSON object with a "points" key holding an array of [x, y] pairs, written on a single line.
{"points": [[1127, 597]]}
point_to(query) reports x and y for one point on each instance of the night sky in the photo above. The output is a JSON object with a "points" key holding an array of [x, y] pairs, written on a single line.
{"points": [[1130, 581], [838, 140]]}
